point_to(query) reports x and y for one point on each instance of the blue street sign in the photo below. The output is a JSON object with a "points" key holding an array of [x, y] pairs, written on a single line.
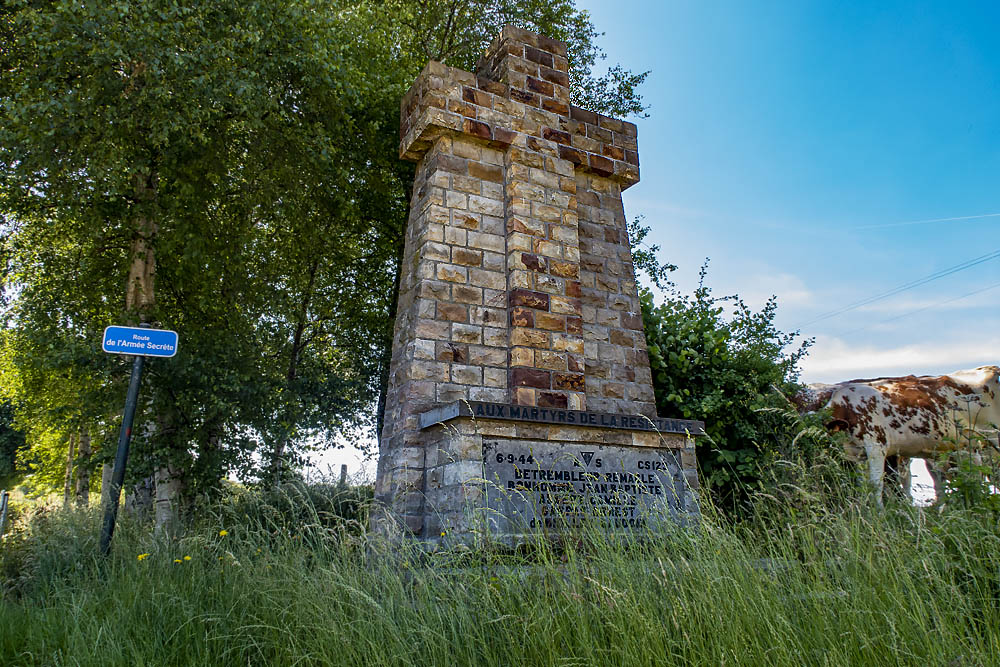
{"points": [[140, 341]]}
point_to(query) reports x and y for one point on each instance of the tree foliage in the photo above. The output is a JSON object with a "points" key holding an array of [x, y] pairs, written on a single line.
{"points": [[249, 149], [12, 446]]}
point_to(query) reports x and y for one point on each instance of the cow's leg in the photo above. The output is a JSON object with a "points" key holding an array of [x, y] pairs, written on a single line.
{"points": [[905, 478], [897, 473], [876, 467]]}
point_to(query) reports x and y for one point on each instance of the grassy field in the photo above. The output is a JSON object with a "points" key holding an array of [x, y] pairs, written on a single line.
{"points": [[278, 582]]}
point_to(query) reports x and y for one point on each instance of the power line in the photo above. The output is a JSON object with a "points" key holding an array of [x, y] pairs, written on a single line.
{"points": [[920, 310], [902, 288], [927, 222]]}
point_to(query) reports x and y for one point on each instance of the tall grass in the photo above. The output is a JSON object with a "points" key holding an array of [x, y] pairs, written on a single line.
{"points": [[798, 586]]}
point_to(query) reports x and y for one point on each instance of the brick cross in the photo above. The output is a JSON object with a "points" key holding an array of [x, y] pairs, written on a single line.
{"points": [[518, 105]]}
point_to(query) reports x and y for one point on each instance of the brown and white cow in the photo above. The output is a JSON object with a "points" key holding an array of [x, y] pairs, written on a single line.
{"points": [[908, 417]]}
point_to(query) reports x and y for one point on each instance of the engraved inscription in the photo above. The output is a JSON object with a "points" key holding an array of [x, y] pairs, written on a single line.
{"points": [[554, 486], [560, 416]]}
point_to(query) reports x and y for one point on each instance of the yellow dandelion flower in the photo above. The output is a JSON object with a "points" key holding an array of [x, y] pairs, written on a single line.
{"points": [[442, 533], [142, 557], [178, 560], [223, 533], [187, 557]]}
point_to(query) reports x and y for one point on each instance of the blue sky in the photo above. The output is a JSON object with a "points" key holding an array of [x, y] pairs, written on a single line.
{"points": [[802, 145]]}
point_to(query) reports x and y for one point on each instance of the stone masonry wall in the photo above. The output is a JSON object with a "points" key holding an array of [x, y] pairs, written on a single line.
{"points": [[517, 283]]}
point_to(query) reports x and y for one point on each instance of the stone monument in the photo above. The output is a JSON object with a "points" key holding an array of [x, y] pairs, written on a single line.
{"points": [[520, 392]]}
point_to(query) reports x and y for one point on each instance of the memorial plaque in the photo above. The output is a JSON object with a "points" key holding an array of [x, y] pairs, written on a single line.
{"points": [[553, 486]]}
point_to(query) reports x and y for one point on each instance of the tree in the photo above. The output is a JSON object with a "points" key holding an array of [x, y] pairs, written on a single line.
{"points": [[139, 132]]}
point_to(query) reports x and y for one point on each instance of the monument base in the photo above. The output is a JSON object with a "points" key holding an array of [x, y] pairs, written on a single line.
{"points": [[501, 480]]}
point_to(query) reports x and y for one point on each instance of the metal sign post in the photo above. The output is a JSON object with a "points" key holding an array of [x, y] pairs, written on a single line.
{"points": [[141, 342]]}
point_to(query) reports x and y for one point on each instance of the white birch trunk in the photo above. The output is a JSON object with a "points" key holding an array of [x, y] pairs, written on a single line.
{"points": [[68, 483], [106, 471], [168, 494], [83, 470]]}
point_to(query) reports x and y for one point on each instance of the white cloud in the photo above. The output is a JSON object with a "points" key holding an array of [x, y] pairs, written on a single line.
{"points": [[790, 290], [831, 359]]}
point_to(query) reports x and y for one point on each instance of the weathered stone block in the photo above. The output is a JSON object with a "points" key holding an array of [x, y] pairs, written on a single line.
{"points": [[466, 374], [467, 257], [529, 338], [550, 322], [522, 317], [530, 377], [452, 312], [466, 333], [529, 299], [466, 294], [550, 399]]}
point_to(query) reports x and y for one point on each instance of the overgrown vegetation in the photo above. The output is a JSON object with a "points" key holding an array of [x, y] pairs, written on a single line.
{"points": [[804, 584]]}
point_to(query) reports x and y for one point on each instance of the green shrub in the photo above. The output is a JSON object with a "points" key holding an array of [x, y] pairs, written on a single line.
{"points": [[717, 360]]}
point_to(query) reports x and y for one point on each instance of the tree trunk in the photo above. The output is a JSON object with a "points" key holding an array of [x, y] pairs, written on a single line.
{"points": [[139, 501], [168, 494], [278, 463], [68, 483], [140, 296], [83, 470], [106, 472]]}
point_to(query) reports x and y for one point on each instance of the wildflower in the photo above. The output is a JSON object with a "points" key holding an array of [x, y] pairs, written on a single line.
{"points": [[187, 557], [223, 532], [178, 560], [142, 557], [442, 533]]}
